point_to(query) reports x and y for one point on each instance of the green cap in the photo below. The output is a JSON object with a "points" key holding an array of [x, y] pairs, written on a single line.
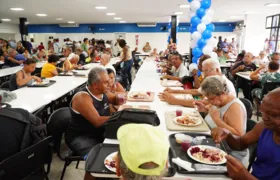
{"points": [[143, 143]]}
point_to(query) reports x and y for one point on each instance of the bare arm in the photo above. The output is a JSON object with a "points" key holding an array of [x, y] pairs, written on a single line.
{"points": [[14, 60], [20, 80], [124, 54], [120, 88], [236, 70], [196, 81], [84, 105], [187, 103], [255, 75], [193, 92], [172, 78]]}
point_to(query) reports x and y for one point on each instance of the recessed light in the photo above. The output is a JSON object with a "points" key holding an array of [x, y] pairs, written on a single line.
{"points": [[272, 5], [236, 17], [184, 6], [122, 21], [100, 7], [117, 18], [111, 14], [178, 13], [41, 15], [59, 19], [16, 9], [70, 22], [27, 23], [6, 20], [222, 20]]}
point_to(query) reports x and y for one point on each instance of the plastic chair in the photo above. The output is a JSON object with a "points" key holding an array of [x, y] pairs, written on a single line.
{"points": [[57, 125], [5, 86], [29, 163], [249, 107], [13, 82]]}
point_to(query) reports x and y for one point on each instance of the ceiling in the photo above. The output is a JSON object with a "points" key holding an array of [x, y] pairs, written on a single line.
{"points": [[131, 11]]}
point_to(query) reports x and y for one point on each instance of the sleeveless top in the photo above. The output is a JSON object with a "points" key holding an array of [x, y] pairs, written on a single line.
{"points": [[241, 155], [70, 64], [80, 126], [128, 54], [267, 164], [24, 76]]}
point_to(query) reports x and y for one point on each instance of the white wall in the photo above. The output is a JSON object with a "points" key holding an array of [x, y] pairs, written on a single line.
{"points": [[9, 30]]}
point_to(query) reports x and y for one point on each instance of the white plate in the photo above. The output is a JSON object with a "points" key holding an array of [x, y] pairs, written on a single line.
{"points": [[198, 122], [110, 158], [224, 160]]}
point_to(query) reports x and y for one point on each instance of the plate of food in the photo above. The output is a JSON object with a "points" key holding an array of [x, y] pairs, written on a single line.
{"points": [[207, 154], [188, 120], [139, 95], [40, 83], [110, 161]]}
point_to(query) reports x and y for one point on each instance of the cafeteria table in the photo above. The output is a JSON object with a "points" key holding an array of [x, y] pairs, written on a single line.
{"points": [[148, 79]]}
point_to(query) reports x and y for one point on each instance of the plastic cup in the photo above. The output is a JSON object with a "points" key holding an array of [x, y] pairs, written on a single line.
{"points": [[149, 93], [121, 98], [186, 145], [179, 112]]}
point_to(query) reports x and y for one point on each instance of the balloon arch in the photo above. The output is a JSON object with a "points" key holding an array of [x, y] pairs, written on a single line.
{"points": [[201, 29]]}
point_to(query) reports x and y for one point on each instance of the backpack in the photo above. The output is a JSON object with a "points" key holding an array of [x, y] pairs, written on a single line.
{"points": [[34, 132]]}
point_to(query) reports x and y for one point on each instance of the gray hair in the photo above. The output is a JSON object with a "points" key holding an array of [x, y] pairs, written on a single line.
{"points": [[11, 50], [94, 75], [214, 86], [128, 174], [215, 64]]}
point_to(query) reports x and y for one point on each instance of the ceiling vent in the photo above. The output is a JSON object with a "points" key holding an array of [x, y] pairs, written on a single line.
{"points": [[146, 24], [68, 25]]}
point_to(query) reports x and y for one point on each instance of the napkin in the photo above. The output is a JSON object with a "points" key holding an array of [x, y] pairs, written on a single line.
{"points": [[204, 167], [184, 164]]}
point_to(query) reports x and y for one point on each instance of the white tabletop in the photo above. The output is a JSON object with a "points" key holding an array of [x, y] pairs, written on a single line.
{"points": [[226, 65], [9, 71], [245, 76]]}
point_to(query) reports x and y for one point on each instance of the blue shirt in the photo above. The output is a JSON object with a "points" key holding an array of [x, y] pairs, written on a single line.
{"points": [[267, 165]]}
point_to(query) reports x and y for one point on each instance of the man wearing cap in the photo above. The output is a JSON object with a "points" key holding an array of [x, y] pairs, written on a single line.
{"points": [[143, 152]]}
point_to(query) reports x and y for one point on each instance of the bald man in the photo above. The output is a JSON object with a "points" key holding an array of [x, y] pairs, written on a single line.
{"points": [[105, 62], [243, 66]]}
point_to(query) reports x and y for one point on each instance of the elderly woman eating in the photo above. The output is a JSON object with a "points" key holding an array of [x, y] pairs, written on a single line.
{"points": [[224, 110], [70, 64]]}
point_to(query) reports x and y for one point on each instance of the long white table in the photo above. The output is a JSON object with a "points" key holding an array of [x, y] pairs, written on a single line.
{"points": [[148, 79]]}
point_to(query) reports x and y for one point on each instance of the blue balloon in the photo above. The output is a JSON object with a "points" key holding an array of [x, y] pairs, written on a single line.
{"points": [[192, 29], [210, 27], [194, 60], [205, 4], [207, 34], [190, 1], [195, 21], [201, 43], [200, 12], [196, 52]]}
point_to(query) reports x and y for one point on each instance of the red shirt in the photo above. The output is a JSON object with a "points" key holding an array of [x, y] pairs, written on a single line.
{"points": [[40, 47]]}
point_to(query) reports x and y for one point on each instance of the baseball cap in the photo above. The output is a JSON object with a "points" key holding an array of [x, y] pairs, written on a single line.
{"points": [[143, 143]]}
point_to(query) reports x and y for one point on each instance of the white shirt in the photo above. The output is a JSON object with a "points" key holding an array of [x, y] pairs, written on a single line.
{"points": [[109, 66], [181, 71], [34, 45], [56, 47], [260, 61]]}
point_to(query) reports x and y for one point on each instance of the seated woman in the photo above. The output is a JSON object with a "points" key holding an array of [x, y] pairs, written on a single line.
{"points": [[26, 54], [154, 53], [271, 76], [24, 77], [114, 88], [49, 69], [266, 134], [70, 64], [147, 47], [225, 110], [40, 56]]}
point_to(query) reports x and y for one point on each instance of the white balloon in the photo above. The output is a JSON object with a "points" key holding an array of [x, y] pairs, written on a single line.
{"points": [[195, 5], [206, 19], [192, 14], [193, 66], [193, 43], [214, 56], [201, 27], [207, 50], [196, 35], [210, 12], [212, 42]]}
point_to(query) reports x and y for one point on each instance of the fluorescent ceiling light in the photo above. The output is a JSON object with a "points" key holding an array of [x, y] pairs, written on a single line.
{"points": [[122, 21], [178, 13], [222, 20], [71, 22], [16, 9], [6, 20], [100, 7], [26, 22], [184, 6], [117, 18], [41, 15], [272, 4], [59, 19], [111, 14], [236, 17]]}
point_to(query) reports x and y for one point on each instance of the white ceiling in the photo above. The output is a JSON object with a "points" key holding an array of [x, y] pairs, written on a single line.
{"points": [[132, 11]]}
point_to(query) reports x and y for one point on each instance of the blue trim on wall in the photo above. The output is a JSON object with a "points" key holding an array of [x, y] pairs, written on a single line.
{"points": [[111, 28]]}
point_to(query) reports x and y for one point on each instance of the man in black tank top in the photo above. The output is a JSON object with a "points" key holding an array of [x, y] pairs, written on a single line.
{"points": [[90, 110]]}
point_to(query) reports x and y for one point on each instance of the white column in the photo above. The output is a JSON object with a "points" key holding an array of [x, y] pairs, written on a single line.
{"points": [[254, 33]]}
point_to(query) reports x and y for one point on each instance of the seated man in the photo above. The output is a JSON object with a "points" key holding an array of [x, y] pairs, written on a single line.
{"points": [[266, 134], [141, 157], [276, 57], [178, 70], [10, 60], [222, 59], [90, 110], [243, 66], [49, 69], [154, 53], [261, 59], [104, 62], [210, 67], [271, 76]]}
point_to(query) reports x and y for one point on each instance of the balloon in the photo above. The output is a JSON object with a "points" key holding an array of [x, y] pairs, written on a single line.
{"points": [[201, 43], [195, 21], [195, 60], [196, 35], [210, 27], [190, 1], [200, 12], [192, 29], [193, 66], [195, 5], [210, 12], [206, 4], [192, 14], [196, 52], [193, 43], [207, 50], [206, 19], [214, 56], [201, 27], [207, 34], [212, 42]]}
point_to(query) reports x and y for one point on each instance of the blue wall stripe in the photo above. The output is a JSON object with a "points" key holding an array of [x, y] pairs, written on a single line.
{"points": [[111, 28]]}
